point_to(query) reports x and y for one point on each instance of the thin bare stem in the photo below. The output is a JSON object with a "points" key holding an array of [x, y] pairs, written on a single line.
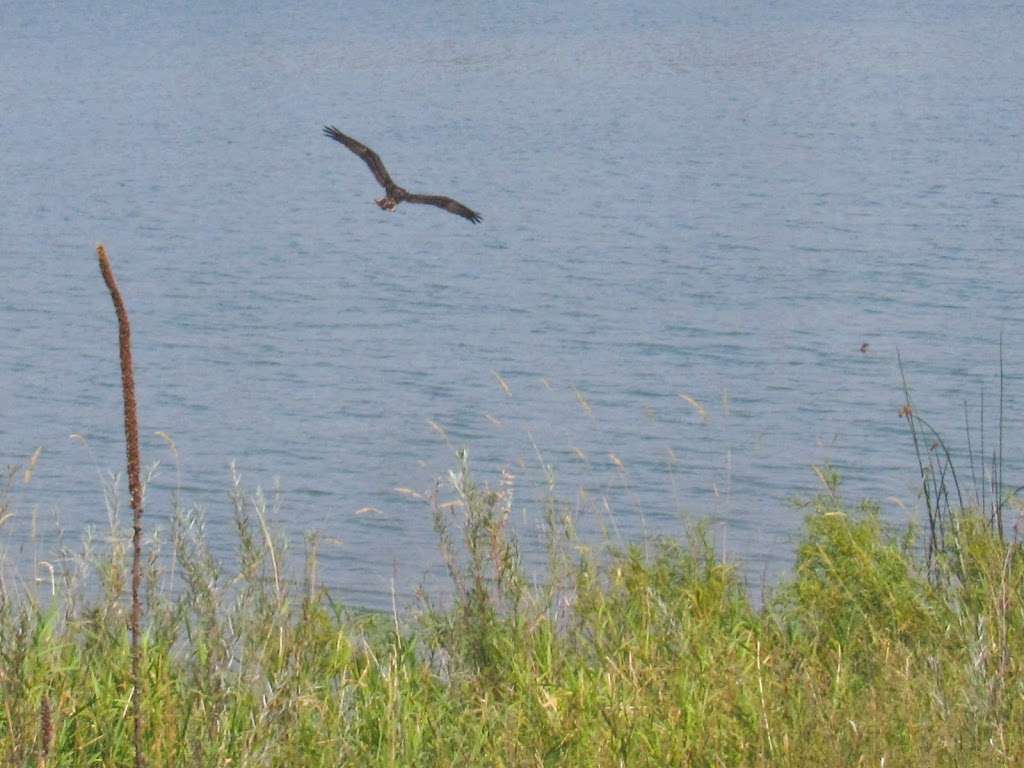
{"points": [[970, 455], [908, 412], [131, 435], [940, 443], [997, 470], [984, 483]]}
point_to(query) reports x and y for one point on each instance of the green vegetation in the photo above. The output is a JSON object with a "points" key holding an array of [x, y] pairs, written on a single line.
{"points": [[649, 655]]}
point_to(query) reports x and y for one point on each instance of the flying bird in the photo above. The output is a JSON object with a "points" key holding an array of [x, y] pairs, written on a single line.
{"points": [[394, 193]]}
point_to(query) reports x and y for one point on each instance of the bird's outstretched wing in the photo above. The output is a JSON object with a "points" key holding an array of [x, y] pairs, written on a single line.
{"points": [[370, 157], [452, 206]]}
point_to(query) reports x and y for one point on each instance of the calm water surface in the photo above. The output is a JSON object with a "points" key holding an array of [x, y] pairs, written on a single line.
{"points": [[718, 203]]}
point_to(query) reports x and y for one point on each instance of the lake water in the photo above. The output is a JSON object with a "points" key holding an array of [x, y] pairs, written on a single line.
{"points": [[678, 199]]}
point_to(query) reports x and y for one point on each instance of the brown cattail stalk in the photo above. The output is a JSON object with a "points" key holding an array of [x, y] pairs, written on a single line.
{"points": [[131, 435], [45, 730]]}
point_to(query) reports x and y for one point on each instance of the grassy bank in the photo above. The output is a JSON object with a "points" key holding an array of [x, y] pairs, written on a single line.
{"points": [[652, 655]]}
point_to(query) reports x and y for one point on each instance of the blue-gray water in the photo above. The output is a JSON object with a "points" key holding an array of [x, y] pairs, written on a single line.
{"points": [[721, 202]]}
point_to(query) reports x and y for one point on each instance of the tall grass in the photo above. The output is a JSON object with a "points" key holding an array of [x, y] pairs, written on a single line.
{"points": [[874, 651], [630, 656]]}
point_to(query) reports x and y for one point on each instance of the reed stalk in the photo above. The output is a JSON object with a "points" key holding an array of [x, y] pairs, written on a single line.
{"points": [[45, 730], [131, 434]]}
